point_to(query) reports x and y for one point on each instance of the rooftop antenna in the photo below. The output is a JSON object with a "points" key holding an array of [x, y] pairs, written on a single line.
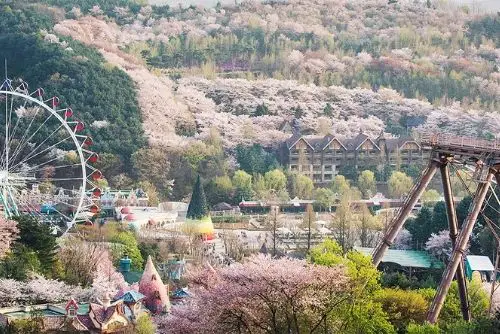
{"points": [[5, 61]]}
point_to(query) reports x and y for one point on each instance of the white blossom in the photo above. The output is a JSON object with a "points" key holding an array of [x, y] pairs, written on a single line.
{"points": [[439, 245], [38, 290], [100, 124]]}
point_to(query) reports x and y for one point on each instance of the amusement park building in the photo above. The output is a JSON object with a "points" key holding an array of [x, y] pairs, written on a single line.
{"points": [[320, 158], [107, 316]]}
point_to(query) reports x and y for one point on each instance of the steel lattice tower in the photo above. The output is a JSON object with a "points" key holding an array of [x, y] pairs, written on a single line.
{"points": [[480, 158]]}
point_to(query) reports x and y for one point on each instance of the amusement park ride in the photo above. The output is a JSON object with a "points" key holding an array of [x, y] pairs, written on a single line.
{"points": [[480, 159], [45, 160]]}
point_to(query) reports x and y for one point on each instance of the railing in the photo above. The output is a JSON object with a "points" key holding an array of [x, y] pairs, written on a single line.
{"points": [[434, 139]]}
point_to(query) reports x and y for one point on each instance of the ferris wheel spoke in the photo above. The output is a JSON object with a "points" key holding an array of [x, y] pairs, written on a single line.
{"points": [[43, 142], [29, 157], [23, 141], [26, 141], [50, 179], [38, 168]]}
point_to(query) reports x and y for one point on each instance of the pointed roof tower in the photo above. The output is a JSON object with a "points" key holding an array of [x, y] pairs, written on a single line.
{"points": [[151, 286]]}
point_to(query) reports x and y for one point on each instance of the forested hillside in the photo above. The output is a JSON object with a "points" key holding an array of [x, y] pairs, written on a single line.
{"points": [[102, 96], [199, 81]]}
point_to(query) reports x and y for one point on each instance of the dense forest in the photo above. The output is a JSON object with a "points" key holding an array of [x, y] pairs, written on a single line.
{"points": [[102, 96]]}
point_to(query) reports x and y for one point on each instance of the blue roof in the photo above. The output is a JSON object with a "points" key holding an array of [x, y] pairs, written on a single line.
{"points": [[132, 296], [406, 258], [181, 293], [479, 263]]}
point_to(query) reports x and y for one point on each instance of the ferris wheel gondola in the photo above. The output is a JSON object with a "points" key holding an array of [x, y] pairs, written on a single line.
{"points": [[45, 159]]}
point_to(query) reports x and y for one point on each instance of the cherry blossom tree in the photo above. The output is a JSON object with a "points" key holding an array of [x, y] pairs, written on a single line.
{"points": [[38, 290], [8, 233], [226, 104], [403, 240], [107, 280], [261, 295], [439, 245], [80, 260]]}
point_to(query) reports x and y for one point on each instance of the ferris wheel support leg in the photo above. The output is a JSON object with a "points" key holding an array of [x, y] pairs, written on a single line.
{"points": [[453, 225], [404, 212], [459, 249], [5, 201]]}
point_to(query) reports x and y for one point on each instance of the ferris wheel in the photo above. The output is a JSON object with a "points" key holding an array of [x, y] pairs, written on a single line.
{"points": [[45, 159]]}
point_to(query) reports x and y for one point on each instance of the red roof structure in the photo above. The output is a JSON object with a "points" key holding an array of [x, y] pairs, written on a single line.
{"points": [[130, 217], [125, 210], [151, 286], [71, 303]]}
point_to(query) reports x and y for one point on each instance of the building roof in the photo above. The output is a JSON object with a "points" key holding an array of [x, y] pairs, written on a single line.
{"points": [[406, 258], [132, 296], [479, 263], [85, 321], [328, 139], [353, 143], [293, 140], [320, 143], [393, 143], [223, 206], [101, 313], [152, 287], [180, 293]]}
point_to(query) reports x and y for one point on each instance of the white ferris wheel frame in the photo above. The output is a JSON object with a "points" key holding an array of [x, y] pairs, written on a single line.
{"points": [[73, 135]]}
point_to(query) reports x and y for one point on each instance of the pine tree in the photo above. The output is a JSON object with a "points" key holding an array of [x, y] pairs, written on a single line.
{"points": [[39, 238], [197, 208]]}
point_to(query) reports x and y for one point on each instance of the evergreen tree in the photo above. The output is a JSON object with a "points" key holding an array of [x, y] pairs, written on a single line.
{"points": [[328, 110], [421, 227], [39, 238], [197, 208], [439, 218], [261, 110]]}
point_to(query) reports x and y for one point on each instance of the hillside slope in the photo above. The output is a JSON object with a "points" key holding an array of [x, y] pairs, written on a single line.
{"points": [[229, 104]]}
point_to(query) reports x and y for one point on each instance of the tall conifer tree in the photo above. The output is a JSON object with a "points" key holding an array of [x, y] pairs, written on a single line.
{"points": [[197, 208]]}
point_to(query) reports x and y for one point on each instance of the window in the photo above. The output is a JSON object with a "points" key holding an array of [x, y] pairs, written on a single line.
{"points": [[72, 311]]}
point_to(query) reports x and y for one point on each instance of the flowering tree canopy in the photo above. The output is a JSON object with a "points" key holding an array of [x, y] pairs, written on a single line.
{"points": [[439, 245], [38, 290], [8, 233], [107, 280], [261, 295]]}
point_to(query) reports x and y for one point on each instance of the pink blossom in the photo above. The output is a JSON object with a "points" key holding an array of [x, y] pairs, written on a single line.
{"points": [[8, 233], [260, 293]]}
